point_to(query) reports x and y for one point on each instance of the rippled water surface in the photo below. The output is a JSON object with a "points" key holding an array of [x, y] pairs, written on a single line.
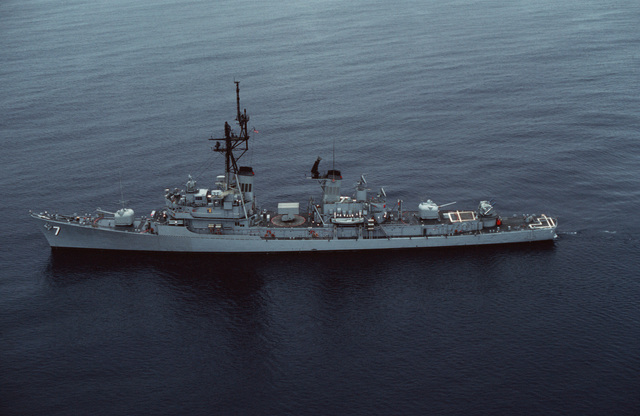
{"points": [[534, 104]]}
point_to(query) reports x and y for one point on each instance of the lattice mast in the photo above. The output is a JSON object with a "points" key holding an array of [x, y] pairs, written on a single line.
{"points": [[234, 142]]}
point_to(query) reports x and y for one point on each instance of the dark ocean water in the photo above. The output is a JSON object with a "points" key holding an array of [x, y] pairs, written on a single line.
{"points": [[535, 104]]}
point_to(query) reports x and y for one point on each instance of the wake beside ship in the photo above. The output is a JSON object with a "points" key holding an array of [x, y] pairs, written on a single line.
{"points": [[226, 218]]}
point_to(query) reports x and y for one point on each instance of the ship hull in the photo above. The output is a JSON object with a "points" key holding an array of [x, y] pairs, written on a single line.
{"points": [[62, 234], [226, 219]]}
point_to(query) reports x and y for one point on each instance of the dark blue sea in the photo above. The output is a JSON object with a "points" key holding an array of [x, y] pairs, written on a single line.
{"points": [[535, 104]]}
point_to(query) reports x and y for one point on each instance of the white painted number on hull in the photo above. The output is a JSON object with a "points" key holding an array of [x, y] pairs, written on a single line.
{"points": [[55, 227]]}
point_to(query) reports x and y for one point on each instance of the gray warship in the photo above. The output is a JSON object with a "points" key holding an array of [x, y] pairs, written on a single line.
{"points": [[226, 218]]}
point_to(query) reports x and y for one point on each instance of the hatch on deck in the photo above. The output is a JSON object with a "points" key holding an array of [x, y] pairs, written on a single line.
{"points": [[543, 222], [461, 216]]}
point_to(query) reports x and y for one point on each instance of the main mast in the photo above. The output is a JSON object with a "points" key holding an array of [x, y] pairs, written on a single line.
{"points": [[232, 141]]}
